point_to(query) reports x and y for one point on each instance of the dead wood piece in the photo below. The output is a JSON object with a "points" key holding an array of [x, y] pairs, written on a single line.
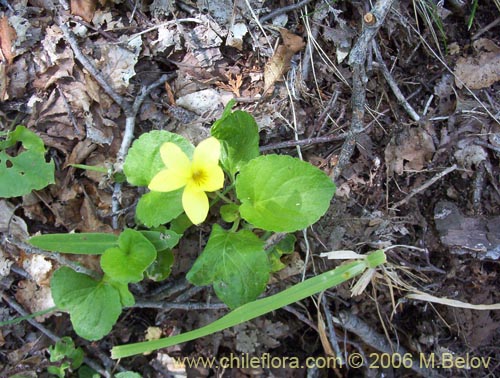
{"points": [[357, 61], [356, 325], [467, 235]]}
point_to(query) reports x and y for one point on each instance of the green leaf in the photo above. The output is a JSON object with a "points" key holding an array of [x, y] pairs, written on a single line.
{"points": [[128, 374], [283, 194], [28, 170], [235, 263], [93, 168], [58, 371], [155, 208], [261, 306], [62, 348], [286, 246], [180, 224], [239, 135], [126, 297], [82, 244], [162, 240], [229, 212], [65, 348], [128, 261], [161, 268], [143, 161], [94, 306], [87, 372]]}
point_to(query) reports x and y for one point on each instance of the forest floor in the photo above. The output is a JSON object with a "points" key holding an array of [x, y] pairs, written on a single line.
{"points": [[400, 107]]}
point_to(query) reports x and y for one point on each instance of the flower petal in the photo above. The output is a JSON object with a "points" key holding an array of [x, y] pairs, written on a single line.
{"points": [[168, 180], [213, 177], [195, 204], [173, 156], [208, 151]]}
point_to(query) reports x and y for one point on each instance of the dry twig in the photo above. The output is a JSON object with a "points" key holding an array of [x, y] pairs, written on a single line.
{"points": [[47, 332], [421, 188], [302, 142], [179, 306], [357, 60], [354, 324], [61, 259], [283, 10], [394, 86]]}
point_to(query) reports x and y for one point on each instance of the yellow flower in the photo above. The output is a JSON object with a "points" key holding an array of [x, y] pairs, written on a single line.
{"points": [[200, 175]]}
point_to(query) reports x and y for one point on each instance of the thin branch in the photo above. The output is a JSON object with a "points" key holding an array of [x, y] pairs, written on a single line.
{"points": [[354, 324], [317, 19], [89, 66], [179, 306], [47, 332], [301, 317], [423, 187], [392, 83], [60, 258], [331, 329], [131, 110], [357, 60], [282, 10], [302, 142]]}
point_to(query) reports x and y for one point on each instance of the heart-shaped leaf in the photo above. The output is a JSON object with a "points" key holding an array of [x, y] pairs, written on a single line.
{"points": [[94, 306], [283, 194], [235, 263], [128, 261]]}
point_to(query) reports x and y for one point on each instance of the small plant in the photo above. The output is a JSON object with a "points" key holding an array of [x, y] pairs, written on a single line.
{"points": [[261, 194], [27, 170], [68, 357]]}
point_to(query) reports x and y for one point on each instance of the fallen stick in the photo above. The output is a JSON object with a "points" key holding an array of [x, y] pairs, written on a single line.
{"points": [[357, 60], [421, 188]]}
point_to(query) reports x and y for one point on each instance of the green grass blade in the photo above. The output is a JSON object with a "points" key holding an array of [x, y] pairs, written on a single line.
{"points": [[259, 307], [30, 316], [93, 168], [84, 244]]}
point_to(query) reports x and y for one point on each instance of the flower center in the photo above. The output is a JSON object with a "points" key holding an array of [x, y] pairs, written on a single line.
{"points": [[199, 176]]}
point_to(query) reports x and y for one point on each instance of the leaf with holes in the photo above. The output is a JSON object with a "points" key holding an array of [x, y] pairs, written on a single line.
{"points": [[22, 172]]}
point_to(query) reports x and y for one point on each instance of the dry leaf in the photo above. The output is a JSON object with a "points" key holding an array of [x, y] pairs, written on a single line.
{"points": [[117, 63], [233, 85], [279, 64], [235, 35], [7, 38], [34, 298], [410, 150], [39, 269], [83, 8], [482, 70], [10, 223]]}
